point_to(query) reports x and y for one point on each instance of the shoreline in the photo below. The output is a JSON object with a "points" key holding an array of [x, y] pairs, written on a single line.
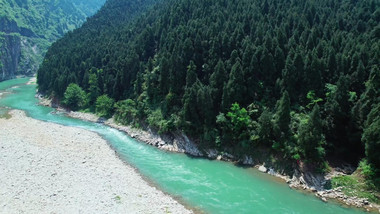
{"points": [[178, 142], [48, 171]]}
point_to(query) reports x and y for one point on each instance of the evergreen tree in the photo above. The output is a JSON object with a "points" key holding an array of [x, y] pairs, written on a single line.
{"points": [[310, 137], [265, 127], [371, 137], [94, 90], [164, 75], [235, 88], [368, 98], [217, 81], [282, 119], [191, 75]]}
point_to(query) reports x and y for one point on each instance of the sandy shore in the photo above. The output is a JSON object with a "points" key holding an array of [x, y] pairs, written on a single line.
{"points": [[49, 168]]}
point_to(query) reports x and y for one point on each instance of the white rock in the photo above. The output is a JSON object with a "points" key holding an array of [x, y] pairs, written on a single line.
{"points": [[263, 169]]}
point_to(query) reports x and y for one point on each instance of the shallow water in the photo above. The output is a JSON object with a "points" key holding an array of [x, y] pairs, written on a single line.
{"points": [[210, 186]]}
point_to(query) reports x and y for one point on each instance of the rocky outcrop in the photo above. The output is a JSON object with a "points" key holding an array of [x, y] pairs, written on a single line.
{"points": [[174, 142], [337, 194], [10, 53], [8, 26]]}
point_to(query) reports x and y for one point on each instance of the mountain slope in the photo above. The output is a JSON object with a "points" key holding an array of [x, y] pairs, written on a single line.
{"points": [[288, 76], [28, 27]]}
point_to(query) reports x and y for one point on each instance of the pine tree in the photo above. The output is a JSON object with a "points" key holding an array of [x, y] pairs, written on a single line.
{"points": [[371, 136], [282, 120], [369, 97], [265, 127], [339, 124], [191, 75], [94, 90], [164, 76], [235, 88], [310, 137], [217, 81]]}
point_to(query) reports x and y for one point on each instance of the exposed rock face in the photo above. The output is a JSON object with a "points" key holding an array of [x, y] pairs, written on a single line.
{"points": [[10, 53], [174, 142]]}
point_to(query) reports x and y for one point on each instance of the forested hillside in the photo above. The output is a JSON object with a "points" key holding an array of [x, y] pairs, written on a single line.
{"points": [[28, 27], [300, 78]]}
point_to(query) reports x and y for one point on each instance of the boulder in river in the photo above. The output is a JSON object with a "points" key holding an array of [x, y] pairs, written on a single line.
{"points": [[263, 169]]}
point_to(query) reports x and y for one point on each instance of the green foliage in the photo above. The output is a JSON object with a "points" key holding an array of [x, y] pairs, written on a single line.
{"points": [[355, 186], [311, 139], [282, 121], [368, 98], [94, 90], [104, 106], [191, 76], [74, 97], [236, 126], [239, 119], [312, 99], [125, 111], [343, 181], [366, 169], [371, 137], [156, 120], [331, 89], [235, 88], [265, 127]]}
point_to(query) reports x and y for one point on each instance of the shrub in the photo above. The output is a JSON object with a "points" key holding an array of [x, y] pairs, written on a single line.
{"points": [[104, 106], [74, 97], [126, 111]]}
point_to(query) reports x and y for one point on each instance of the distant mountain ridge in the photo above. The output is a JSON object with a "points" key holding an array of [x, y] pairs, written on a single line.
{"points": [[28, 27]]}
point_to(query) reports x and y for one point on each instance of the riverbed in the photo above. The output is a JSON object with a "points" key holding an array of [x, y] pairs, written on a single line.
{"points": [[50, 168]]}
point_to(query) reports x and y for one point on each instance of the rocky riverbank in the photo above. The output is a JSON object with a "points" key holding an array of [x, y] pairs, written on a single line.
{"points": [[301, 179], [49, 168]]}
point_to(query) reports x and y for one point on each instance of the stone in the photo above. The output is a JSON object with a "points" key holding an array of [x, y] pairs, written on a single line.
{"points": [[247, 160], [212, 153], [263, 169]]}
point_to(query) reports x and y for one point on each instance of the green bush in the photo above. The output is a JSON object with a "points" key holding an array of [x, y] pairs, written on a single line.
{"points": [[157, 120], [125, 111], [104, 106], [74, 97], [366, 169]]}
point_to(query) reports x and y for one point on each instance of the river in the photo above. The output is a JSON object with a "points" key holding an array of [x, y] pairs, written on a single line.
{"points": [[208, 186]]}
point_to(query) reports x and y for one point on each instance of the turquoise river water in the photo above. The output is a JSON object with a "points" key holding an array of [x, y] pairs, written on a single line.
{"points": [[208, 186]]}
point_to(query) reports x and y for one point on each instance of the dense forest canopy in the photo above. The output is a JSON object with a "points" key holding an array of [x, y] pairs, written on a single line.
{"points": [[298, 77]]}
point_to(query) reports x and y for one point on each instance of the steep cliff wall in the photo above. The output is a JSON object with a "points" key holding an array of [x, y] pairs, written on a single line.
{"points": [[10, 52]]}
